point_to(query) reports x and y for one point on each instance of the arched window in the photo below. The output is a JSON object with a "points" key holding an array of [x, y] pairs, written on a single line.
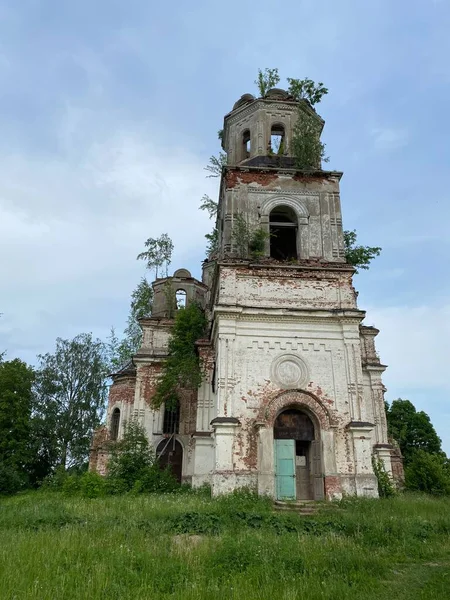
{"points": [[277, 143], [115, 421], [181, 298], [246, 144], [171, 423], [283, 233]]}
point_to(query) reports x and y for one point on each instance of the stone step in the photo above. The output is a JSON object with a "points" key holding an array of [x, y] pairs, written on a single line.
{"points": [[303, 507]]}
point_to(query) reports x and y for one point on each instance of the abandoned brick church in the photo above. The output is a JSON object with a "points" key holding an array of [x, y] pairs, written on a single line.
{"points": [[293, 402]]}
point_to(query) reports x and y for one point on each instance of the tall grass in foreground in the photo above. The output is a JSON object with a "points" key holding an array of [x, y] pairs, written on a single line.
{"points": [[191, 547]]}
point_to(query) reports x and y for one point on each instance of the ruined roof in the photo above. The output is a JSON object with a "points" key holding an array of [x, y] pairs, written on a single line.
{"points": [[272, 94], [128, 368]]}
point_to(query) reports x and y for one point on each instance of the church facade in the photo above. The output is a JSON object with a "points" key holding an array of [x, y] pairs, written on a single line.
{"points": [[292, 400]]}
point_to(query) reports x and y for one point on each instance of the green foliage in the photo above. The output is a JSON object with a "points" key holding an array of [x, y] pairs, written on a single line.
{"points": [[307, 149], [257, 242], [70, 485], [56, 479], [300, 89], [92, 485], [266, 80], [133, 467], [130, 456], [182, 368], [156, 546], [11, 481], [358, 256], [70, 394], [386, 487], [427, 472], [215, 165], [158, 254], [156, 480], [306, 89], [213, 242], [16, 400], [195, 523], [412, 430], [248, 242], [209, 205], [121, 351], [220, 135], [240, 234]]}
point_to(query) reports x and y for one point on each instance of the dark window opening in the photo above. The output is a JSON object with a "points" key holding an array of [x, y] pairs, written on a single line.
{"points": [[181, 298], [301, 448], [213, 379], [283, 234], [171, 423], [115, 420], [292, 424], [277, 139], [246, 144]]}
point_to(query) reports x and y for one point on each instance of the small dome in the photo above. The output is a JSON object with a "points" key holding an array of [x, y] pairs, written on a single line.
{"points": [[244, 99], [278, 94], [182, 274]]}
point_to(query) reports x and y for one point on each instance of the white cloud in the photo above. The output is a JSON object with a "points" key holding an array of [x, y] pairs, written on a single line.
{"points": [[388, 138], [414, 342], [71, 227]]}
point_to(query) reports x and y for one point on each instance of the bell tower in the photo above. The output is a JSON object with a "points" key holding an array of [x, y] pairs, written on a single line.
{"points": [[258, 129], [298, 214], [286, 329]]}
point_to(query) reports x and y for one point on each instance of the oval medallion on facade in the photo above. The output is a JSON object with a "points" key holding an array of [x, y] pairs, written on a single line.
{"points": [[289, 372]]}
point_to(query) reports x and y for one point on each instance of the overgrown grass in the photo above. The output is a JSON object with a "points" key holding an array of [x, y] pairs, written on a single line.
{"points": [[191, 547]]}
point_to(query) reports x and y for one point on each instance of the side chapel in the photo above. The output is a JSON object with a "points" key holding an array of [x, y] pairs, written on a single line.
{"points": [[293, 402]]}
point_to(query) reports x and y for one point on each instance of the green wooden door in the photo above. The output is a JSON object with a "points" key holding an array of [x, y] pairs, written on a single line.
{"points": [[285, 469]]}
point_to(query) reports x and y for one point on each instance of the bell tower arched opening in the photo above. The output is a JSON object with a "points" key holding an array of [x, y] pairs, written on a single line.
{"points": [[283, 233], [181, 297], [277, 143], [246, 144], [298, 460]]}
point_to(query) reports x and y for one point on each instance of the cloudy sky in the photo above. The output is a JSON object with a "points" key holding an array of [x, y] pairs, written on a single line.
{"points": [[109, 112]]}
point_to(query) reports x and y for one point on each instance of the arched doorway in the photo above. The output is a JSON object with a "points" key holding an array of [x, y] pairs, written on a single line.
{"points": [[298, 459], [170, 455]]}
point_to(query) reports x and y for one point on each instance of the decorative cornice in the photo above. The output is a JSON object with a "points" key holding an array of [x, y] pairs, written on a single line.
{"points": [[315, 315], [225, 421], [266, 169], [239, 113], [280, 193], [326, 266], [374, 367], [146, 357], [360, 425]]}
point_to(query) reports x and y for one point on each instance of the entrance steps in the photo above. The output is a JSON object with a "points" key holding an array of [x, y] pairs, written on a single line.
{"points": [[302, 507]]}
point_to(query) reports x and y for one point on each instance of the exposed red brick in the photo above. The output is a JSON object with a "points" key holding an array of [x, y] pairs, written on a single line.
{"points": [[122, 390], [332, 486], [234, 177]]}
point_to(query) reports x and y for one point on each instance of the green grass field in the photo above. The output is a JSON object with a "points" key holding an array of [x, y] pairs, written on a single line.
{"points": [[190, 547]]}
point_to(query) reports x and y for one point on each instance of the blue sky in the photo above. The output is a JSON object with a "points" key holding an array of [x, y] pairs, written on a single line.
{"points": [[109, 112]]}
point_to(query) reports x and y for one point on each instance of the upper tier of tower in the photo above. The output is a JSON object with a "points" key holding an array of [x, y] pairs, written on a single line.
{"points": [[258, 131]]}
